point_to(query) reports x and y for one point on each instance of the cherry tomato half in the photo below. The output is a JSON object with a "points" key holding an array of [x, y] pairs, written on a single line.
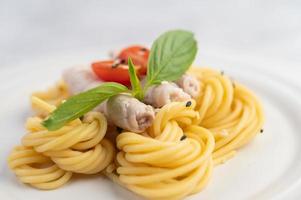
{"points": [[112, 71], [139, 56]]}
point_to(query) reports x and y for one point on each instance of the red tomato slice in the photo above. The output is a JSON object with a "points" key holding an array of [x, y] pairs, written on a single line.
{"points": [[112, 71], [139, 56]]}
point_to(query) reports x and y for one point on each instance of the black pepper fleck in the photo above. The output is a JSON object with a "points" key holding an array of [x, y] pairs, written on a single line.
{"points": [[183, 137], [261, 130], [119, 130], [233, 84], [188, 103], [143, 49], [222, 73]]}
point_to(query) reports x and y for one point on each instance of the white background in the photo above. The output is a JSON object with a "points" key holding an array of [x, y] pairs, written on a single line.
{"points": [[265, 30], [262, 35]]}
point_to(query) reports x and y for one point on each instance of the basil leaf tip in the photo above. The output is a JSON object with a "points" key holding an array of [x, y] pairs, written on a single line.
{"points": [[135, 82], [80, 104], [170, 57]]}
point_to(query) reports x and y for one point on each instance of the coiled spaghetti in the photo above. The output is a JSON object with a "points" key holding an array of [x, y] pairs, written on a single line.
{"points": [[36, 169], [174, 158], [161, 163], [79, 147], [229, 110], [53, 96]]}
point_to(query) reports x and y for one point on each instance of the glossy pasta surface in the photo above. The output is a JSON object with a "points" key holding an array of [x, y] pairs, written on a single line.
{"points": [[172, 159]]}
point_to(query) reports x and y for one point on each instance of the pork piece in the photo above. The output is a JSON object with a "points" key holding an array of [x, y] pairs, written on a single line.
{"points": [[190, 85], [165, 93], [122, 110], [129, 113], [80, 79]]}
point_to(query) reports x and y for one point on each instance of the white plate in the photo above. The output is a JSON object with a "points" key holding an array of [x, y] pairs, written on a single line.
{"points": [[267, 168]]}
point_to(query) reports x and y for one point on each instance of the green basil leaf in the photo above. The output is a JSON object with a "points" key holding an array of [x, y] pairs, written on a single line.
{"points": [[80, 104], [170, 56], [135, 82]]}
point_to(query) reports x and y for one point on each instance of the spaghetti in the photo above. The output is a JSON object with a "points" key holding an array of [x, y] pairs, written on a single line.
{"points": [[229, 110], [79, 147], [171, 160], [53, 96], [174, 158]]}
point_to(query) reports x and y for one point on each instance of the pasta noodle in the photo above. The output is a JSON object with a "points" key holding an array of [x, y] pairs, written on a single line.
{"points": [[174, 158], [161, 163], [229, 110], [36, 169], [53, 96], [79, 147]]}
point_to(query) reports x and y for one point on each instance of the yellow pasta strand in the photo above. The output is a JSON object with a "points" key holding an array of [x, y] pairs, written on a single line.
{"points": [[229, 110], [161, 163], [53, 97], [174, 158], [36, 169], [78, 147]]}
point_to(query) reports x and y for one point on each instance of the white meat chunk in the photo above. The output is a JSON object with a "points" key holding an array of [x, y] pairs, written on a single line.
{"points": [[121, 110], [129, 113], [165, 93], [190, 85], [80, 79]]}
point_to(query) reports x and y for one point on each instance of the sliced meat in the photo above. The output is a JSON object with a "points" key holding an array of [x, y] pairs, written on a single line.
{"points": [[190, 85], [80, 78], [122, 110], [165, 93], [129, 113]]}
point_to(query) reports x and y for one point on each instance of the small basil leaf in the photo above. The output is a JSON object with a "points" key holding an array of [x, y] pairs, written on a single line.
{"points": [[135, 82], [170, 57], [80, 104]]}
